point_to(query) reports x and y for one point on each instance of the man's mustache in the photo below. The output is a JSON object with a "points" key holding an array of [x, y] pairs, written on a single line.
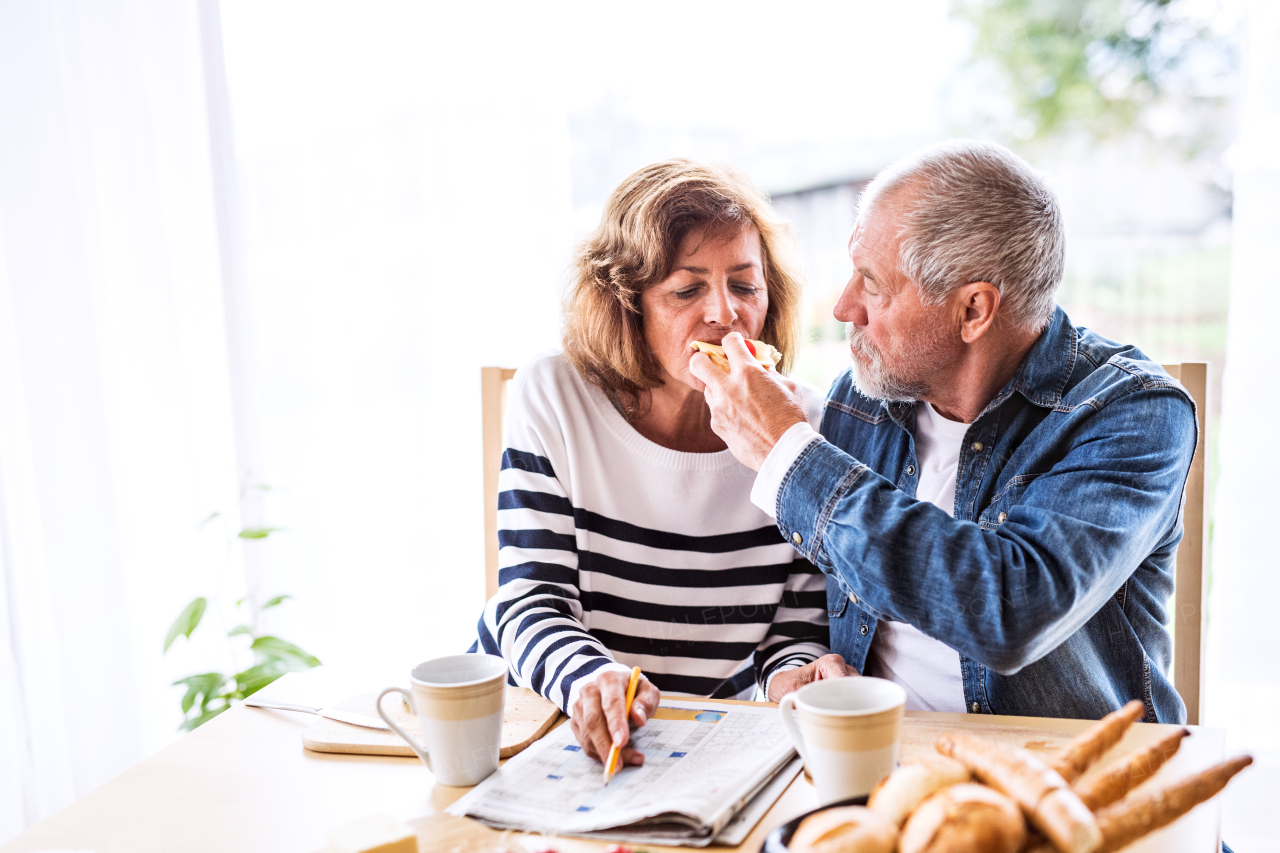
{"points": [[858, 340]]}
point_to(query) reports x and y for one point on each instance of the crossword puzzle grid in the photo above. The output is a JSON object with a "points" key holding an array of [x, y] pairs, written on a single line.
{"points": [[566, 780]]}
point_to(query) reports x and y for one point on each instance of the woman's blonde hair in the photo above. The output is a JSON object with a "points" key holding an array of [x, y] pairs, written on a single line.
{"points": [[645, 220]]}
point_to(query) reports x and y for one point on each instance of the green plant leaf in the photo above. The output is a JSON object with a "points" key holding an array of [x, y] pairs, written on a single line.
{"points": [[211, 517], [186, 622], [205, 685], [275, 601], [196, 722], [258, 532], [274, 648], [240, 601], [257, 677], [240, 629]]}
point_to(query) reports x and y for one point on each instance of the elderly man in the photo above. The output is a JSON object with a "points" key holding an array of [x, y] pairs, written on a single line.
{"points": [[995, 494]]}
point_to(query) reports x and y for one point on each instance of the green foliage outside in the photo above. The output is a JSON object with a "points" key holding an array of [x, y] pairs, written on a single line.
{"points": [[1100, 66], [208, 694]]}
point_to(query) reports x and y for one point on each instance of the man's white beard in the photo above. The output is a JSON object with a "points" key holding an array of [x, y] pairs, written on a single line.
{"points": [[874, 379]]}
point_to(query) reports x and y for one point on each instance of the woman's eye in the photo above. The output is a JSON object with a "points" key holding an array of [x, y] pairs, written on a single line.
{"points": [[746, 289], [687, 293]]}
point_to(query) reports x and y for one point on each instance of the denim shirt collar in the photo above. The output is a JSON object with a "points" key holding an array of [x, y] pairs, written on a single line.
{"points": [[1046, 368], [1041, 378]]}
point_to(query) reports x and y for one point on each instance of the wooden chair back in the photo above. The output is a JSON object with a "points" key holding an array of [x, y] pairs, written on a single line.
{"points": [[493, 408], [1190, 594]]}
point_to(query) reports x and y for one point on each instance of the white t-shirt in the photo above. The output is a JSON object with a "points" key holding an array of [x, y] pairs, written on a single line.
{"points": [[927, 669]]}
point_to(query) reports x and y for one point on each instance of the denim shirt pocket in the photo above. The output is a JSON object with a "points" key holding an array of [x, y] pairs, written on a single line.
{"points": [[837, 598], [997, 511]]}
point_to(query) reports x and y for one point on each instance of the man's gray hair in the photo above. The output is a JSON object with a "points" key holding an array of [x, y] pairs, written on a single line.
{"points": [[975, 211]]}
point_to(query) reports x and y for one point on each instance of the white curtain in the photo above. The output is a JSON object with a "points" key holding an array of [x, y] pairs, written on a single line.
{"points": [[115, 421], [1244, 653], [404, 194], [406, 199]]}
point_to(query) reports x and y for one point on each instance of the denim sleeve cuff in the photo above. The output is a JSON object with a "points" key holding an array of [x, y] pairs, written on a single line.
{"points": [[819, 477], [764, 492]]}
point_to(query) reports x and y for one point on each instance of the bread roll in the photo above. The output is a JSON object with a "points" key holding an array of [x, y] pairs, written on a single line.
{"points": [[1125, 775], [964, 819], [849, 829], [1082, 752], [1147, 810], [901, 791], [1039, 791], [1144, 811]]}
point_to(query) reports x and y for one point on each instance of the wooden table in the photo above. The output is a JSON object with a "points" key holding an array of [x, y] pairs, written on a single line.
{"points": [[244, 782]]}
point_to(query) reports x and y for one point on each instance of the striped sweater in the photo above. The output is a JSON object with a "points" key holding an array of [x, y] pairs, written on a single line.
{"points": [[615, 549]]}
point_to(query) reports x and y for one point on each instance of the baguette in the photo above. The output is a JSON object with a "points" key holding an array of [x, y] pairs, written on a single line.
{"points": [[844, 830], [1097, 739], [964, 818], [1039, 790], [1146, 811], [1125, 775], [901, 791]]}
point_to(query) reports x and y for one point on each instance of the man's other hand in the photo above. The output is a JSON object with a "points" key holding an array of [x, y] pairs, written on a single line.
{"points": [[598, 717], [827, 666], [751, 407]]}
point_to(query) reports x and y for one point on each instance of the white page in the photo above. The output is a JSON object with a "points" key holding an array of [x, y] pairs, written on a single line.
{"points": [[737, 830], [703, 767]]}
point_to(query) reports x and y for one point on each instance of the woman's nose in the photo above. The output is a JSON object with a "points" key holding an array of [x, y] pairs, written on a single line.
{"points": [[720, 309]]}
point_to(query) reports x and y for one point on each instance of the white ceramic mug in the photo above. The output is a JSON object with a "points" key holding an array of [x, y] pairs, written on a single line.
{"points": [[848, 732], [458, 701]]}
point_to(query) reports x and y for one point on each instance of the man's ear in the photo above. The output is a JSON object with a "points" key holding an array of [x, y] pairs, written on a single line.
{"points": [[975, 308]]}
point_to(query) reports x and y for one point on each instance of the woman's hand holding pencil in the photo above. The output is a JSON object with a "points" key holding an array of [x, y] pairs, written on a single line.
{"points": [[611, 763], [599, 716]]}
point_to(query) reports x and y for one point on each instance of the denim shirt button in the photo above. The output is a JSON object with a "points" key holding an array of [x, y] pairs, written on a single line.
{"points": [[797, 538], [911, 470], [1001, 517], [863, 630], [976, 447], [975, 707], [853, 598]]}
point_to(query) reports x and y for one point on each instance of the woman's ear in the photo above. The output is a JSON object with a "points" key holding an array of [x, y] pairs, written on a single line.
{"points": [[976, 306]]}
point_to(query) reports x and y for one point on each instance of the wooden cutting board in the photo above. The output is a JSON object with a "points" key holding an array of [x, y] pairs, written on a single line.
{"points": [[526, 717]]}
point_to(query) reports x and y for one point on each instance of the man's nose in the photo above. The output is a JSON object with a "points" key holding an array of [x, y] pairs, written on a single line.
{"points": [[850, 307]]}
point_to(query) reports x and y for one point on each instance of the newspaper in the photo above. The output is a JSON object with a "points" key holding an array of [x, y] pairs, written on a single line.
{"points": [[704, 761]]}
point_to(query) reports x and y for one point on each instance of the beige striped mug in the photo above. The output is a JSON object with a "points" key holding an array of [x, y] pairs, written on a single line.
{"points": [[848, 732], [458, 703]]}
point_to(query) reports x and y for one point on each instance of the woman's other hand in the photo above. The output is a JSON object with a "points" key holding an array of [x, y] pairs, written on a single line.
{"points": [[827, 666], [598, 717]]}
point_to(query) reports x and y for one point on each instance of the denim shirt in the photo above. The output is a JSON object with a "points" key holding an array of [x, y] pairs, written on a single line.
{"points": [[1053, 577]]}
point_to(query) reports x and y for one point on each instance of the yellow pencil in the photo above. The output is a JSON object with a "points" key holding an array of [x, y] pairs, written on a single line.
{"points": [[611, 766]]}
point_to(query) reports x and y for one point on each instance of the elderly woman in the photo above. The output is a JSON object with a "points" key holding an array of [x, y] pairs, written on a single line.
{"points": [[626, 530]]}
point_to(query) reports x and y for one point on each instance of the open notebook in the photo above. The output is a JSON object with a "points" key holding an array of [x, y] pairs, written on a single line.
{"points": [[706, 763]]}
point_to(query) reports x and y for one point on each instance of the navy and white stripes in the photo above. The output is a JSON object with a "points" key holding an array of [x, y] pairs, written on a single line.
{"points": [[615, 549]]}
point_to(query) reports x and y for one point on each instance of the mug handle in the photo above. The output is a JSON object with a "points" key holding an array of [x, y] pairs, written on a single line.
{"points": [[787, 709], [408, 698]]}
